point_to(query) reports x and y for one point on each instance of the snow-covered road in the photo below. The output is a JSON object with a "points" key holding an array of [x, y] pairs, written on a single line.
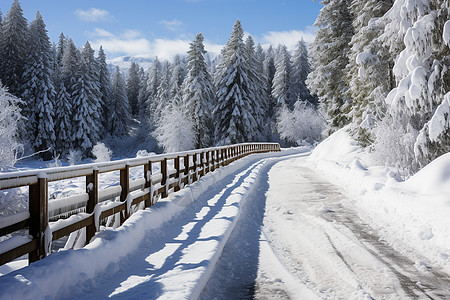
{"points": [[311, 244], [266, 227]]}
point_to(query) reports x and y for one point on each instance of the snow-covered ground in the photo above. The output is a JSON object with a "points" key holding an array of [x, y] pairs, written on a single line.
{"points": [[294, 224]]}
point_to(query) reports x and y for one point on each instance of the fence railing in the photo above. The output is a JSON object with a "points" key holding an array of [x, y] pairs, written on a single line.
{"points": [[162, 174]]}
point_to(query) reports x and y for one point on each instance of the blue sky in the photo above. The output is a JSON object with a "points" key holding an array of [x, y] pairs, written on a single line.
{"points": [[164, 27]]}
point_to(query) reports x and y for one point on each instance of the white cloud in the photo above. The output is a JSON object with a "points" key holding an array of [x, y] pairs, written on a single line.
{"points": [[172, 25], [93, 15], [100, 32], [289, 38], [132, 43]]}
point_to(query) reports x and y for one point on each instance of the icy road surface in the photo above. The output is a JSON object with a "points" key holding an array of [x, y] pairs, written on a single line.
{"points": [[299, 238]]}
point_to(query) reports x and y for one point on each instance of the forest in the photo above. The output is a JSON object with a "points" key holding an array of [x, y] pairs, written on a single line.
{"points": [[379, 68]]}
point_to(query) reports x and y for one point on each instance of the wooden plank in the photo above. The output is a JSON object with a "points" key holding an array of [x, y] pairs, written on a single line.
{"points": [[38, 208], [18, 252], [92, 190], [62, 232], [139, 199], [113, 210], [14, 227]]}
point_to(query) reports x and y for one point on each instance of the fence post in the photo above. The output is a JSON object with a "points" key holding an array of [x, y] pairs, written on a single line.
{"points": [[202, 163], [186, 168], [38, 208], [148, 182], [212, 160], [92, 191], [164, 177], [207, 162], [177, 174], [194, 161], [125, 184]]}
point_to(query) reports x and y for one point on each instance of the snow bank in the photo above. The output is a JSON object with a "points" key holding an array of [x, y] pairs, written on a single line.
{"points": [[411, 214]]}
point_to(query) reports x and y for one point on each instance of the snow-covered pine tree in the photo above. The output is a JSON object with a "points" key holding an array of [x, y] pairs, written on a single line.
{"points": [[143, 109], [369, 70], [281, 84], [1, 25], [420, 100], [178, 70], [103, 79], [258, 87], [152, 84], [38, 90], [9, 120], [198, 93], [86, 103], [13, 49], [162, 97], [63, 125], [233, 111], [120, 111], [269, 73], [299, 73], [60, 48], [70, 67], [329, 56], [69, 75], [133, 86]]}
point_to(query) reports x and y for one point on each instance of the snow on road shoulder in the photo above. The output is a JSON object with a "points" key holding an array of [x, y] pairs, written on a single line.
{"points": [[411, 215], [201, 217]]}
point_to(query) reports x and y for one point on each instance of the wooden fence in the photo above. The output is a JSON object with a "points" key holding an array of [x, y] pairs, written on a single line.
{"points": [[162, 175]]}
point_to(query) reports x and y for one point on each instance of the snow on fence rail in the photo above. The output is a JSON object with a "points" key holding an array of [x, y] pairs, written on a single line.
{"points": [[46, 221]]}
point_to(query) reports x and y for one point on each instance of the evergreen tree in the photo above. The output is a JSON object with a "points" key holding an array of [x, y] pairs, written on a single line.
{"points": [[144, 110], [120, 111], [234, 108], [63, 122], [269, 68], [329, 56], [13, 49], [269, 73], [162, 97], [133, 86], [369, 70], [198, 93], [1, 26], [86, 103], [69, 76], [60, 48], [70, 67], [258, 87], [299, 73], [153, 82], [420, 101], [178, 71], [281, 86], [38, 90], [103, 79]]}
